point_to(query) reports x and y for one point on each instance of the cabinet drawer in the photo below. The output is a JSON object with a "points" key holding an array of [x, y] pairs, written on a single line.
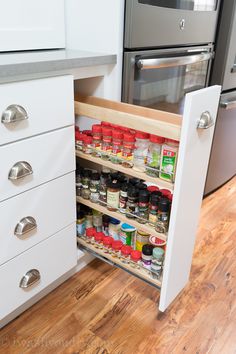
{"points": [[32, 107], [39, 159], [30, 217], [51, 258]]}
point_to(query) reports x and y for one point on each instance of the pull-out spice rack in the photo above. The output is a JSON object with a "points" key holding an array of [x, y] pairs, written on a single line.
{"points": [[194, 130]]}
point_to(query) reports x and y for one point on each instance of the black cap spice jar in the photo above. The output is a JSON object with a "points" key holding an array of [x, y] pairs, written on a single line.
{"points": [[143, 204], [147, 256], [113, 194], [132, 203], [153, 206], [163, 215]]}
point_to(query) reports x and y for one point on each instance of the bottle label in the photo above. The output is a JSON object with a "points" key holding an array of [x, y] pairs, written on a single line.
{"points": [[113, 199], [168, 163]]}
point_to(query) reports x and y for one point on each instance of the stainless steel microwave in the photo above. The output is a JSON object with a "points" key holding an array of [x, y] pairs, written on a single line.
{"points": [[165, 23]]}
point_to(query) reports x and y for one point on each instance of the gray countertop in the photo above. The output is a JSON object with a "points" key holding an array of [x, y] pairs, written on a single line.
{"points": [[30, 63]]}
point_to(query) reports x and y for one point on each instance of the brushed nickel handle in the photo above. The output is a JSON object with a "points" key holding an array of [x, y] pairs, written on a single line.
{"points": [[205, 121], [25, 225], [14, 113], [21, 169], [29, 279], [228, 104]]}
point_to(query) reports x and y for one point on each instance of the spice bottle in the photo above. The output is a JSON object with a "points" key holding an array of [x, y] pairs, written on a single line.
{"points": [[169, 154], [142, 238], [79, 141], [88, 144], [116, 247], [85, 184], [125, 253], [132, 203], [128, 150], [143, 205], [117, 141], [105, 224], [97, 139], [123, 197], [163, 215], [154, 155], [90, 232], [80, 224], [106, 142], [103, 187], [88, 218], [140, 151], [135, 257], [114, 228], [113, 194], [98, 238], [153, 207], [157, 262], [107, 244], [79, 173], [94, 187], [147, 256], [97, 220], [126, 234]]}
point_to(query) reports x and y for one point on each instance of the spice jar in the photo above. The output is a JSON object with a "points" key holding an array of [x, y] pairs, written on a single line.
{"points": [[88, 144], [143, 204], [165, 193], [147, 256], [123, 197], [80, 224], [128, 150], [157, 262], [105, 224], [90, 234], [154, 155], [97, 220], [106, 145], [169, 154], [155, 241], [97, 139], [142, 238], [98, 238], [79, 173], [107, 243], [116, 247], [79, 141], [94, 187], [163, 215], [103, 187], [113, 194], [117, 141], [152, 189], [88, 218], [132, 203], [135, 257], [140, 151], [85, 193], [126, 234], [153, 207], [114, 228], [125, 253]]}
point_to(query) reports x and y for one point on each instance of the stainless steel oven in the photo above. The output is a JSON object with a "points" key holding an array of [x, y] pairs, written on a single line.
{"points": [[152, 23], [160, 78]]}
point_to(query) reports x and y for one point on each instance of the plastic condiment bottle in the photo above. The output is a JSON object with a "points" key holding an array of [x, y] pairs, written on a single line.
{"points": [[147, 256], [140, 151], [169, 154]]}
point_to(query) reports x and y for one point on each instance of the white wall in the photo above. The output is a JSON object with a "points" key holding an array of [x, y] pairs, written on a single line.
{"points": [[97, 25]]}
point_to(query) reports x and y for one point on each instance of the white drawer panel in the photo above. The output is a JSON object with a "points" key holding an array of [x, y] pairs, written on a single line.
{"points": [[52, 258], [50, 155], [52, 205], [49, 105]]}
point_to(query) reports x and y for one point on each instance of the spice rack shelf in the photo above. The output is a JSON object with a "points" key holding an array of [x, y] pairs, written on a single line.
{"points": [[138, 272], [128, 171], [122, 217]]}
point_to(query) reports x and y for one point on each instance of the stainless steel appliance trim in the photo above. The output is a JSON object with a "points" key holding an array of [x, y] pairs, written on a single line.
{"points": [[156, 63], [228, 105]]}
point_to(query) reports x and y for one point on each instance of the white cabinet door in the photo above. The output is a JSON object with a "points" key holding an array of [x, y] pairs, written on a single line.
{"points": [[195, 146], [31, 24]]}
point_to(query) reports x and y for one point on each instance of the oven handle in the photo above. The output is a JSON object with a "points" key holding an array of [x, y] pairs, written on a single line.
{"points": [[144, 64], [228, 105]]}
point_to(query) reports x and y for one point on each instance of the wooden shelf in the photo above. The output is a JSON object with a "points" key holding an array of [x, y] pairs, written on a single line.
{"points": [[122, 217], [145, 119], [128, 171], [140, 273]]}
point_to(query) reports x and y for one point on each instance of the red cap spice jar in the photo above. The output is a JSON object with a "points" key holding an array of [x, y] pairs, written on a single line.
{"points": [[79, 140], [105, 124], [116, 247], [106, 145], [107, 243], [140, 151], [128, 150], [87, 132], [154, 155], [135, 257], [152, 189], [125, 253], [99, 236], [117, 146], [90, 232], [88, 147], [97, 138]]}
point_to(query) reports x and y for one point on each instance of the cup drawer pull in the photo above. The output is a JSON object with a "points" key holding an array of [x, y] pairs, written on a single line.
{"points": [[25, 225], [205, 121], [29, 279], [14, 113], [21, 169]]}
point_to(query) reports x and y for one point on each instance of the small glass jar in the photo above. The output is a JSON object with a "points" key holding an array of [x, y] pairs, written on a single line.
{"points": [[85, 193], [106, 144], [143, 206], [128, 150], [163, 215], [79, 174], [165, 193], [117, 142], [104, 178], [105, 224], [135, 257], [113, 194], [98, 239], [142, 238], [88, 218], [147, 256], [114, 228], [125, 253], [153, 207], [80, 224], [97, 220], [79, 141], [116, 248], [140, 151], [123, 198], [132, 203], [90, 233], [97, 139], [107, 244], [157, 262], [88, 145], [94, 187], [154, 155]]}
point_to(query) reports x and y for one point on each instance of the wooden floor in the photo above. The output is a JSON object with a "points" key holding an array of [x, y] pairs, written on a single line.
{"points": [[104, 310]]}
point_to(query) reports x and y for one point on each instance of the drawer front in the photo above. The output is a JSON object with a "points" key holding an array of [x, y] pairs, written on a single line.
{"points": [[31, 217], [32, 107], [50, 259], [28, 163]]}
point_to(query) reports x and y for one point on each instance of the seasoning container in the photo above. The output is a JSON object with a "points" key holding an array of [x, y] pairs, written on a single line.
{"points": [[116, 247], [88, 144], [90, 232], [169, 154], [125, 253], [165, 193], [143, 206], [87, 132], [97, 220], [140, 151], [105, 224], [94, 187], [157, 262], [128, 150], [153, 207], [141, 186], [155, 241], [97, 139], [98, 238], [80, 224], [163, 215], [132, 203], [126, 234], [142, 238], [104, 178], [135, 257], [117, 142], [79, 173], [154, 155], [113, 195], [134, 181], [85, 193], [114, 228], [107, 244], [147, 256], [152, 189], [106, 144], [79, 141], [123, 197], [88, 218]]}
